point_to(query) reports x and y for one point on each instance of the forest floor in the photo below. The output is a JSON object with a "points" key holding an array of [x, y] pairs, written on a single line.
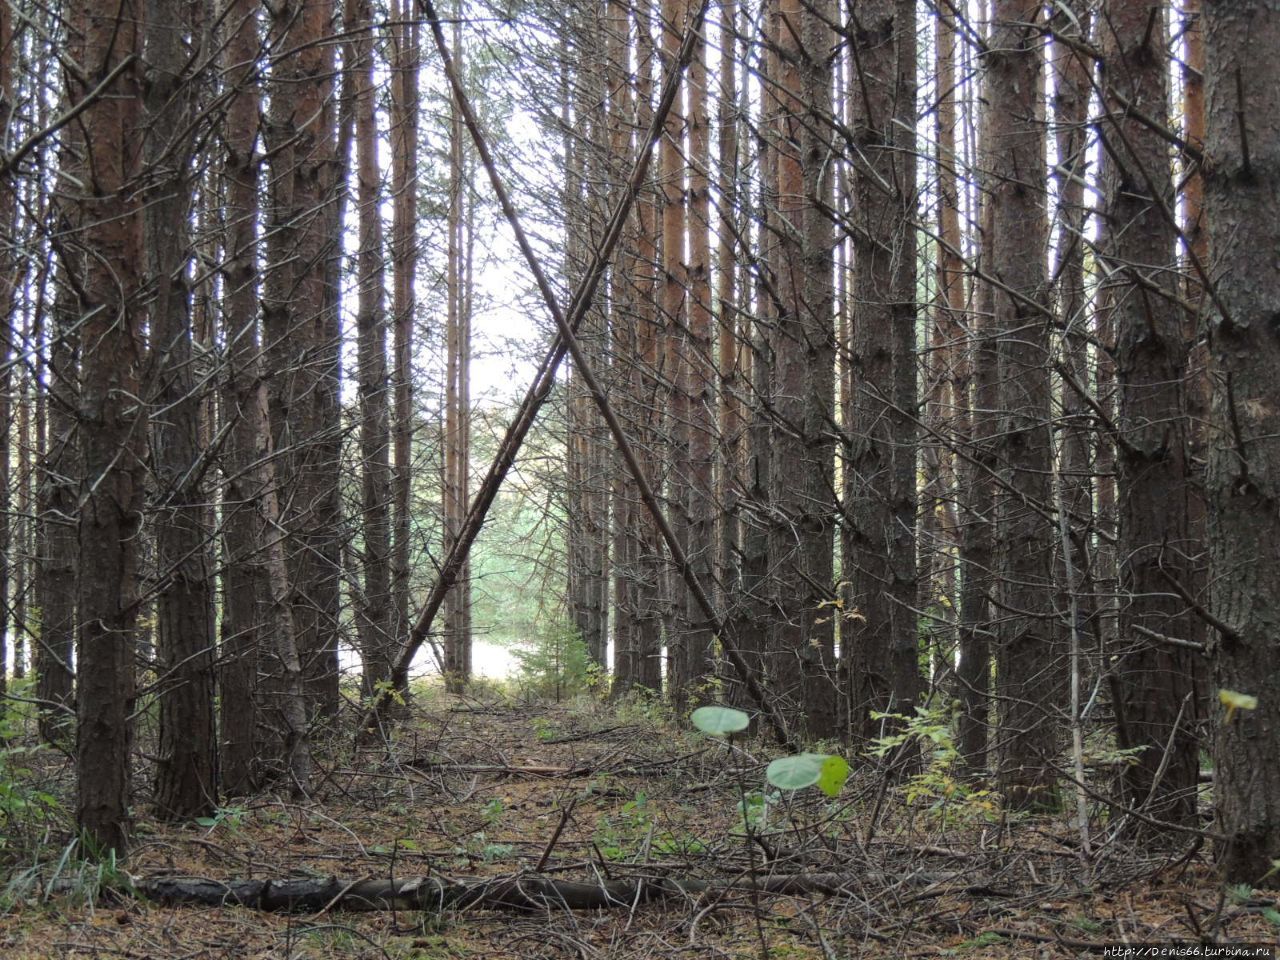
{"points": [[490, 788]]}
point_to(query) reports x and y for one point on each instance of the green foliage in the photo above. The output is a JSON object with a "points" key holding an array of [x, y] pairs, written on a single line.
{"points": [[555, 664], [619, 836], [947, 794], [230, 817], [720, 721], [642, 706], [544, 729], [754, 809], [825, 771], [493, 811], [25, 807], [988, 938]]}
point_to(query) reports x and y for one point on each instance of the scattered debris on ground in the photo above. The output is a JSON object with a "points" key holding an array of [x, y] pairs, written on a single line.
{"points": [[498, 829]]}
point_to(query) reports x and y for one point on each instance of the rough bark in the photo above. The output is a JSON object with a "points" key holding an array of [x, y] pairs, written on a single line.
{"points": [[1029, 682], [645, 669], [243, 580], [300, 324], [622, 338], [457, 642], [802, 494], [1155, 710], [880, 477], [404, 253], [673, 322], [524, 894], [112, 425], [730, 326], [1242, 201], [59, 469], [185, 784], [9, 274], [295, 333], [700, 372], [377, 643]]}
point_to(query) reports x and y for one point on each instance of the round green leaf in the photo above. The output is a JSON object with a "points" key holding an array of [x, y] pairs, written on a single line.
{"points": [[797, 772], [719, 721], [835, 771]]}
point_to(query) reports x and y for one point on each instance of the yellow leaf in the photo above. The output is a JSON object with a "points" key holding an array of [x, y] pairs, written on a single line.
{"points": [[1233, 700]]}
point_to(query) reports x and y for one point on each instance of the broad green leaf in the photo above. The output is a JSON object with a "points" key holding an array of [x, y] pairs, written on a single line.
{"points": [[835, 771], [719, 721], [796, 772]]}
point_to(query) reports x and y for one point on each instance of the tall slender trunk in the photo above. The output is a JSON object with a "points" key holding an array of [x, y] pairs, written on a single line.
{"points": [[976, 378], [60, 465], [880, 493], [801, 640], [300, 320], [674, 307], [622, 338], [953, 316], [1156, 710], [375, 616], [753, 610], [1242, 203], [300, 344], [244, 586], [1030, 683], [457, 640], [646, 668], [185, 784], [112, 424], [700, 370], [729, 310], [9, 278], [404, 252]]}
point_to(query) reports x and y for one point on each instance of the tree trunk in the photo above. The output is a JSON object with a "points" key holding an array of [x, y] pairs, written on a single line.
{"points": [[112, 426], [675, 375], [300, 324], [801, 640], [1030, 682], [700, 371], [976, 383], [60, 468], [622, 339], [728, 313], [880, 478], [457, 643], [1155, 712], [375, 616], [243, 581], [646, 667], [404, 252], [186, 769], [296, 327], [1242, 202]]}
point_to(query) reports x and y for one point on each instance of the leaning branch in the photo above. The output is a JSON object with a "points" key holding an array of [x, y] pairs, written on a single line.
{"points": [[546, 376], [567, 331]]}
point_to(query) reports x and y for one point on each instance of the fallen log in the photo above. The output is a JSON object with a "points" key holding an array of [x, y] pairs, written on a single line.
{"points": [[434, 894]]}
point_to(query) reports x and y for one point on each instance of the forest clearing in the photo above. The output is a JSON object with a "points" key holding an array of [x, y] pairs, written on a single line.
{"points": [[775, 478]]}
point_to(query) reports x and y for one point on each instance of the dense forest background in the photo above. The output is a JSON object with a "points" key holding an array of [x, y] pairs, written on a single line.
{"points": [[897, 372]]}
